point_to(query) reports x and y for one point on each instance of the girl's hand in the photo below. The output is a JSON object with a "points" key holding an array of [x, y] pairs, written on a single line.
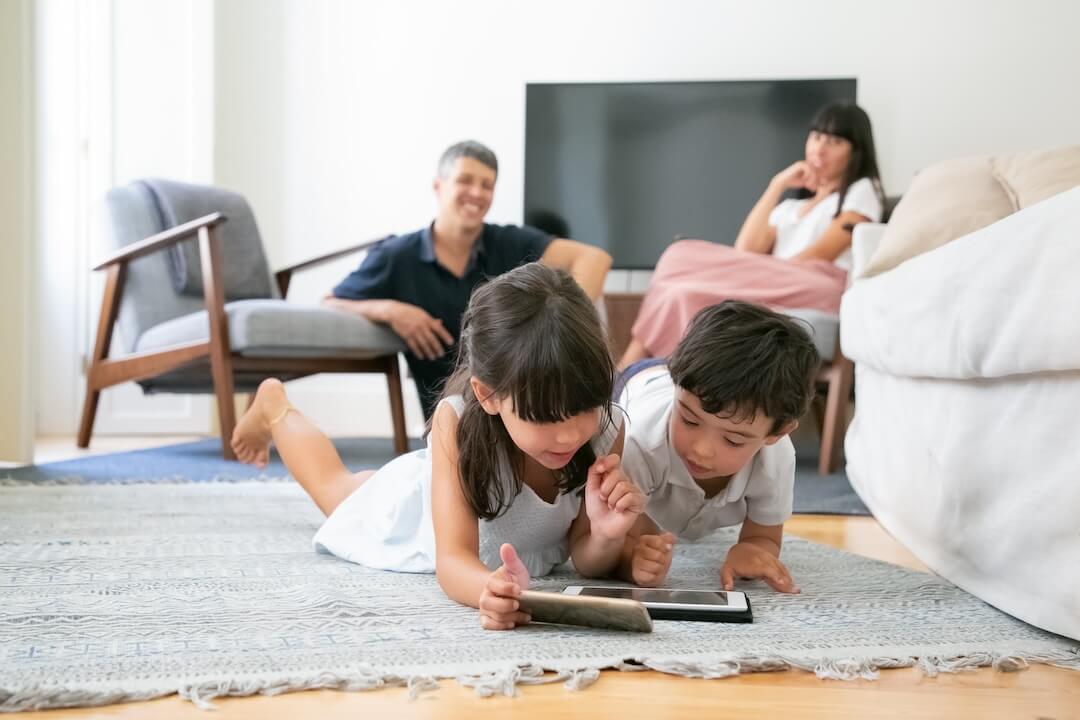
{"points": [[797, 175], [612, 501], [750, 561], [498, 601], [652, 559]]}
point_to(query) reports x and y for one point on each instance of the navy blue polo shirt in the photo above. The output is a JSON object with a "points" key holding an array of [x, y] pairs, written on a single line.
{"points": [[404, 268]]}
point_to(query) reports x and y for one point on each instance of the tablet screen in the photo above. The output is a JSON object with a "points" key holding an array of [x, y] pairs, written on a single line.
{"points": [[650, 596]]}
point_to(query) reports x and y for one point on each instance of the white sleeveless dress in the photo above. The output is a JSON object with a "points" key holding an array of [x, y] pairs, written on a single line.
{"points": [[386, 522]]}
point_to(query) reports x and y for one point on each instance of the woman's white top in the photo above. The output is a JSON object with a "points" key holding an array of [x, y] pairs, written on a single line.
{"points": [[386, 523], [796, 232]]}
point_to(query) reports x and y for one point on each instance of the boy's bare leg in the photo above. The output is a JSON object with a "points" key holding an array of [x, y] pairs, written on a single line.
{"points": [[634, 351], [307, 453]]}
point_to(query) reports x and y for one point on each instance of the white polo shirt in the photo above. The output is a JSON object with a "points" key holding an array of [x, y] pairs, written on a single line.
{"points": [[762, 490]]}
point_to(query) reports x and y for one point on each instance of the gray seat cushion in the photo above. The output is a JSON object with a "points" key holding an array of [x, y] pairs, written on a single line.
{"points": [[824, 329], [276, 328]]}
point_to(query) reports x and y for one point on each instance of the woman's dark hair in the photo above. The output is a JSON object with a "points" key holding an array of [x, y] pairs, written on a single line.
{"points": [[741, 359], [533, 337], [849, 121]]}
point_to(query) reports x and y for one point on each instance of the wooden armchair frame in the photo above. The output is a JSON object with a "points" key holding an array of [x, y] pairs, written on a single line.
{"points": [[215, 352]]}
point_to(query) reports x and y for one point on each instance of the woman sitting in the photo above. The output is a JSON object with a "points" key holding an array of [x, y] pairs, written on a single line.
{"points": [[790, 254]]}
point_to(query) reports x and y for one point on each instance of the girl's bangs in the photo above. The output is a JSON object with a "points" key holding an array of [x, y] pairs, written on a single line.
{"points": [[558, 393]]}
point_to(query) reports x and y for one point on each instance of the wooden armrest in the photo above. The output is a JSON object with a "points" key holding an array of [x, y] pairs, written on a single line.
{"points": [[622, 310], [284, 275], [162, 240], [321, 259]]}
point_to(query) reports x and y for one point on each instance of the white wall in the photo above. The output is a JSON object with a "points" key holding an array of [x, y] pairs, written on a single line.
{"points": [[16, 249], [330, 115], [124, 89]]}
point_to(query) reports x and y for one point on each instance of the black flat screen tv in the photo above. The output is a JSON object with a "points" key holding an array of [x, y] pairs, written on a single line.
{"points": [[630, 166]]}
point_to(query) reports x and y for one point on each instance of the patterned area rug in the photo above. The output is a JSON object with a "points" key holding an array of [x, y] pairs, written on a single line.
{"points": [[113, 593]]}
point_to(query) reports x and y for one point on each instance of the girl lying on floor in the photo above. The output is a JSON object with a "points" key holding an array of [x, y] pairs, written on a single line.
{"points": [[524, 425]]}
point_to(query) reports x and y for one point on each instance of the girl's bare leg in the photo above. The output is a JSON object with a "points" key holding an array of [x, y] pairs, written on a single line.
{"points": [[634, 351], [307, 453]]}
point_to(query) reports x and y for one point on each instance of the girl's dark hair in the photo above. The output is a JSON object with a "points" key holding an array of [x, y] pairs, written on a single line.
{"points": [[533, 337], [741, 359], [850, 122]]}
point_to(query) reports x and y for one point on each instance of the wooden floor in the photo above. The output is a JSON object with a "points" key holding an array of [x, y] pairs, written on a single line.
{"points": [[1039, 692]]}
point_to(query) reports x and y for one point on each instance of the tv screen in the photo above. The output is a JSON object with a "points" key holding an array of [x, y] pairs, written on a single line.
{"points": [[630, 166]]}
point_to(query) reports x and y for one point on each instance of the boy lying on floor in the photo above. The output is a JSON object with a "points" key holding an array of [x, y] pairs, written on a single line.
{"points": [[707, 439]]}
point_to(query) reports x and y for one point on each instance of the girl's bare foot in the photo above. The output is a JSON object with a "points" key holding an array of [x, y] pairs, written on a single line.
{"points": [[251, 438]]}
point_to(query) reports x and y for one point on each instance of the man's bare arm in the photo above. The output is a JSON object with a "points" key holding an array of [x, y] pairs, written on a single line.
{"points": [[587, 264]]}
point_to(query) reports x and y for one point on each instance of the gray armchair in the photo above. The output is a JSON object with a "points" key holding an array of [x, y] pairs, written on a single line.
{"points": [[198, 311]]}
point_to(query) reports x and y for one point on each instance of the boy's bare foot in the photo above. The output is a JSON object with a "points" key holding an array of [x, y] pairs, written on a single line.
{"points": [[251, 438]]}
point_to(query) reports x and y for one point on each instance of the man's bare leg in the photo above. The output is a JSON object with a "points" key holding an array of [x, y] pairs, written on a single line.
{"points": [[634, 351], [307, 453]]}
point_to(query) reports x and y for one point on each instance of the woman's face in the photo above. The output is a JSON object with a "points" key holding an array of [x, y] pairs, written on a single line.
{"points": [[828, 156]]}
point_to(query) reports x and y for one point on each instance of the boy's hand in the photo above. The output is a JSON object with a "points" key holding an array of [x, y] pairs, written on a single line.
{"points": [[750, 561], [498, 601], [652, 559], [612, 501]]}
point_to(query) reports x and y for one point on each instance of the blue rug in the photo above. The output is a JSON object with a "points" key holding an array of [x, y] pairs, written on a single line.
{"points": [[201, 461]]}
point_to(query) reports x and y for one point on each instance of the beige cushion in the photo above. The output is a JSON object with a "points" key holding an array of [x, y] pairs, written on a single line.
{"points": [[945, 201], [1034, 176], [957, 197]]}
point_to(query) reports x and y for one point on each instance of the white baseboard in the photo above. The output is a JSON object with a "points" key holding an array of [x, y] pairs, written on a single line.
{"points": [[627, 280], [354, 405]]}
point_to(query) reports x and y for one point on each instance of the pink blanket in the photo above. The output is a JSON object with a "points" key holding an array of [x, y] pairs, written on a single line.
{"points": [[694, 274]]}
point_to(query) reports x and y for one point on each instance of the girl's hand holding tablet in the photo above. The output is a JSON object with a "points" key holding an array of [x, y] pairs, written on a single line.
{"points": [[499, 605]]}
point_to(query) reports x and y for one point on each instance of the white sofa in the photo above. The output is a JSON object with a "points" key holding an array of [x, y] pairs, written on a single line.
{"points": [[965, 442]]}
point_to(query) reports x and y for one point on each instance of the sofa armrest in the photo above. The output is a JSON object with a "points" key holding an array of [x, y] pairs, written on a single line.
{"points": [[865, 239]]}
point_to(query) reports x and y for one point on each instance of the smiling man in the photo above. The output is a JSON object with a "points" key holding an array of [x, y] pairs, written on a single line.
{"points": [[420, 283]]}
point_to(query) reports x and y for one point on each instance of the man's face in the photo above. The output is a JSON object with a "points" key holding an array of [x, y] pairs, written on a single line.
{"points": [[465, 193]]}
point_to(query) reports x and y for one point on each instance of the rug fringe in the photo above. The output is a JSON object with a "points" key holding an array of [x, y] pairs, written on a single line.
{"points": [[505, 681], [201, 694]]}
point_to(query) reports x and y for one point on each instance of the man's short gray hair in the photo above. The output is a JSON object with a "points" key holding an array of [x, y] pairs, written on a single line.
{"points": [[467, 149]]}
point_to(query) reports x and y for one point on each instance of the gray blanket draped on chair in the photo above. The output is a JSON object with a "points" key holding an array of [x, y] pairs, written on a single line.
{"points": [[245, 272]]}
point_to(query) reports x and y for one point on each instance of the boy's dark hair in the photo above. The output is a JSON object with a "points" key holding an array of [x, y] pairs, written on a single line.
{"points": [[740, 359], [533, 336]]}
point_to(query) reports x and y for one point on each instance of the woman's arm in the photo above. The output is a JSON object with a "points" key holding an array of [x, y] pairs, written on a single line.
{"points": [[756, 234], [835, 240], [457, 534]]}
